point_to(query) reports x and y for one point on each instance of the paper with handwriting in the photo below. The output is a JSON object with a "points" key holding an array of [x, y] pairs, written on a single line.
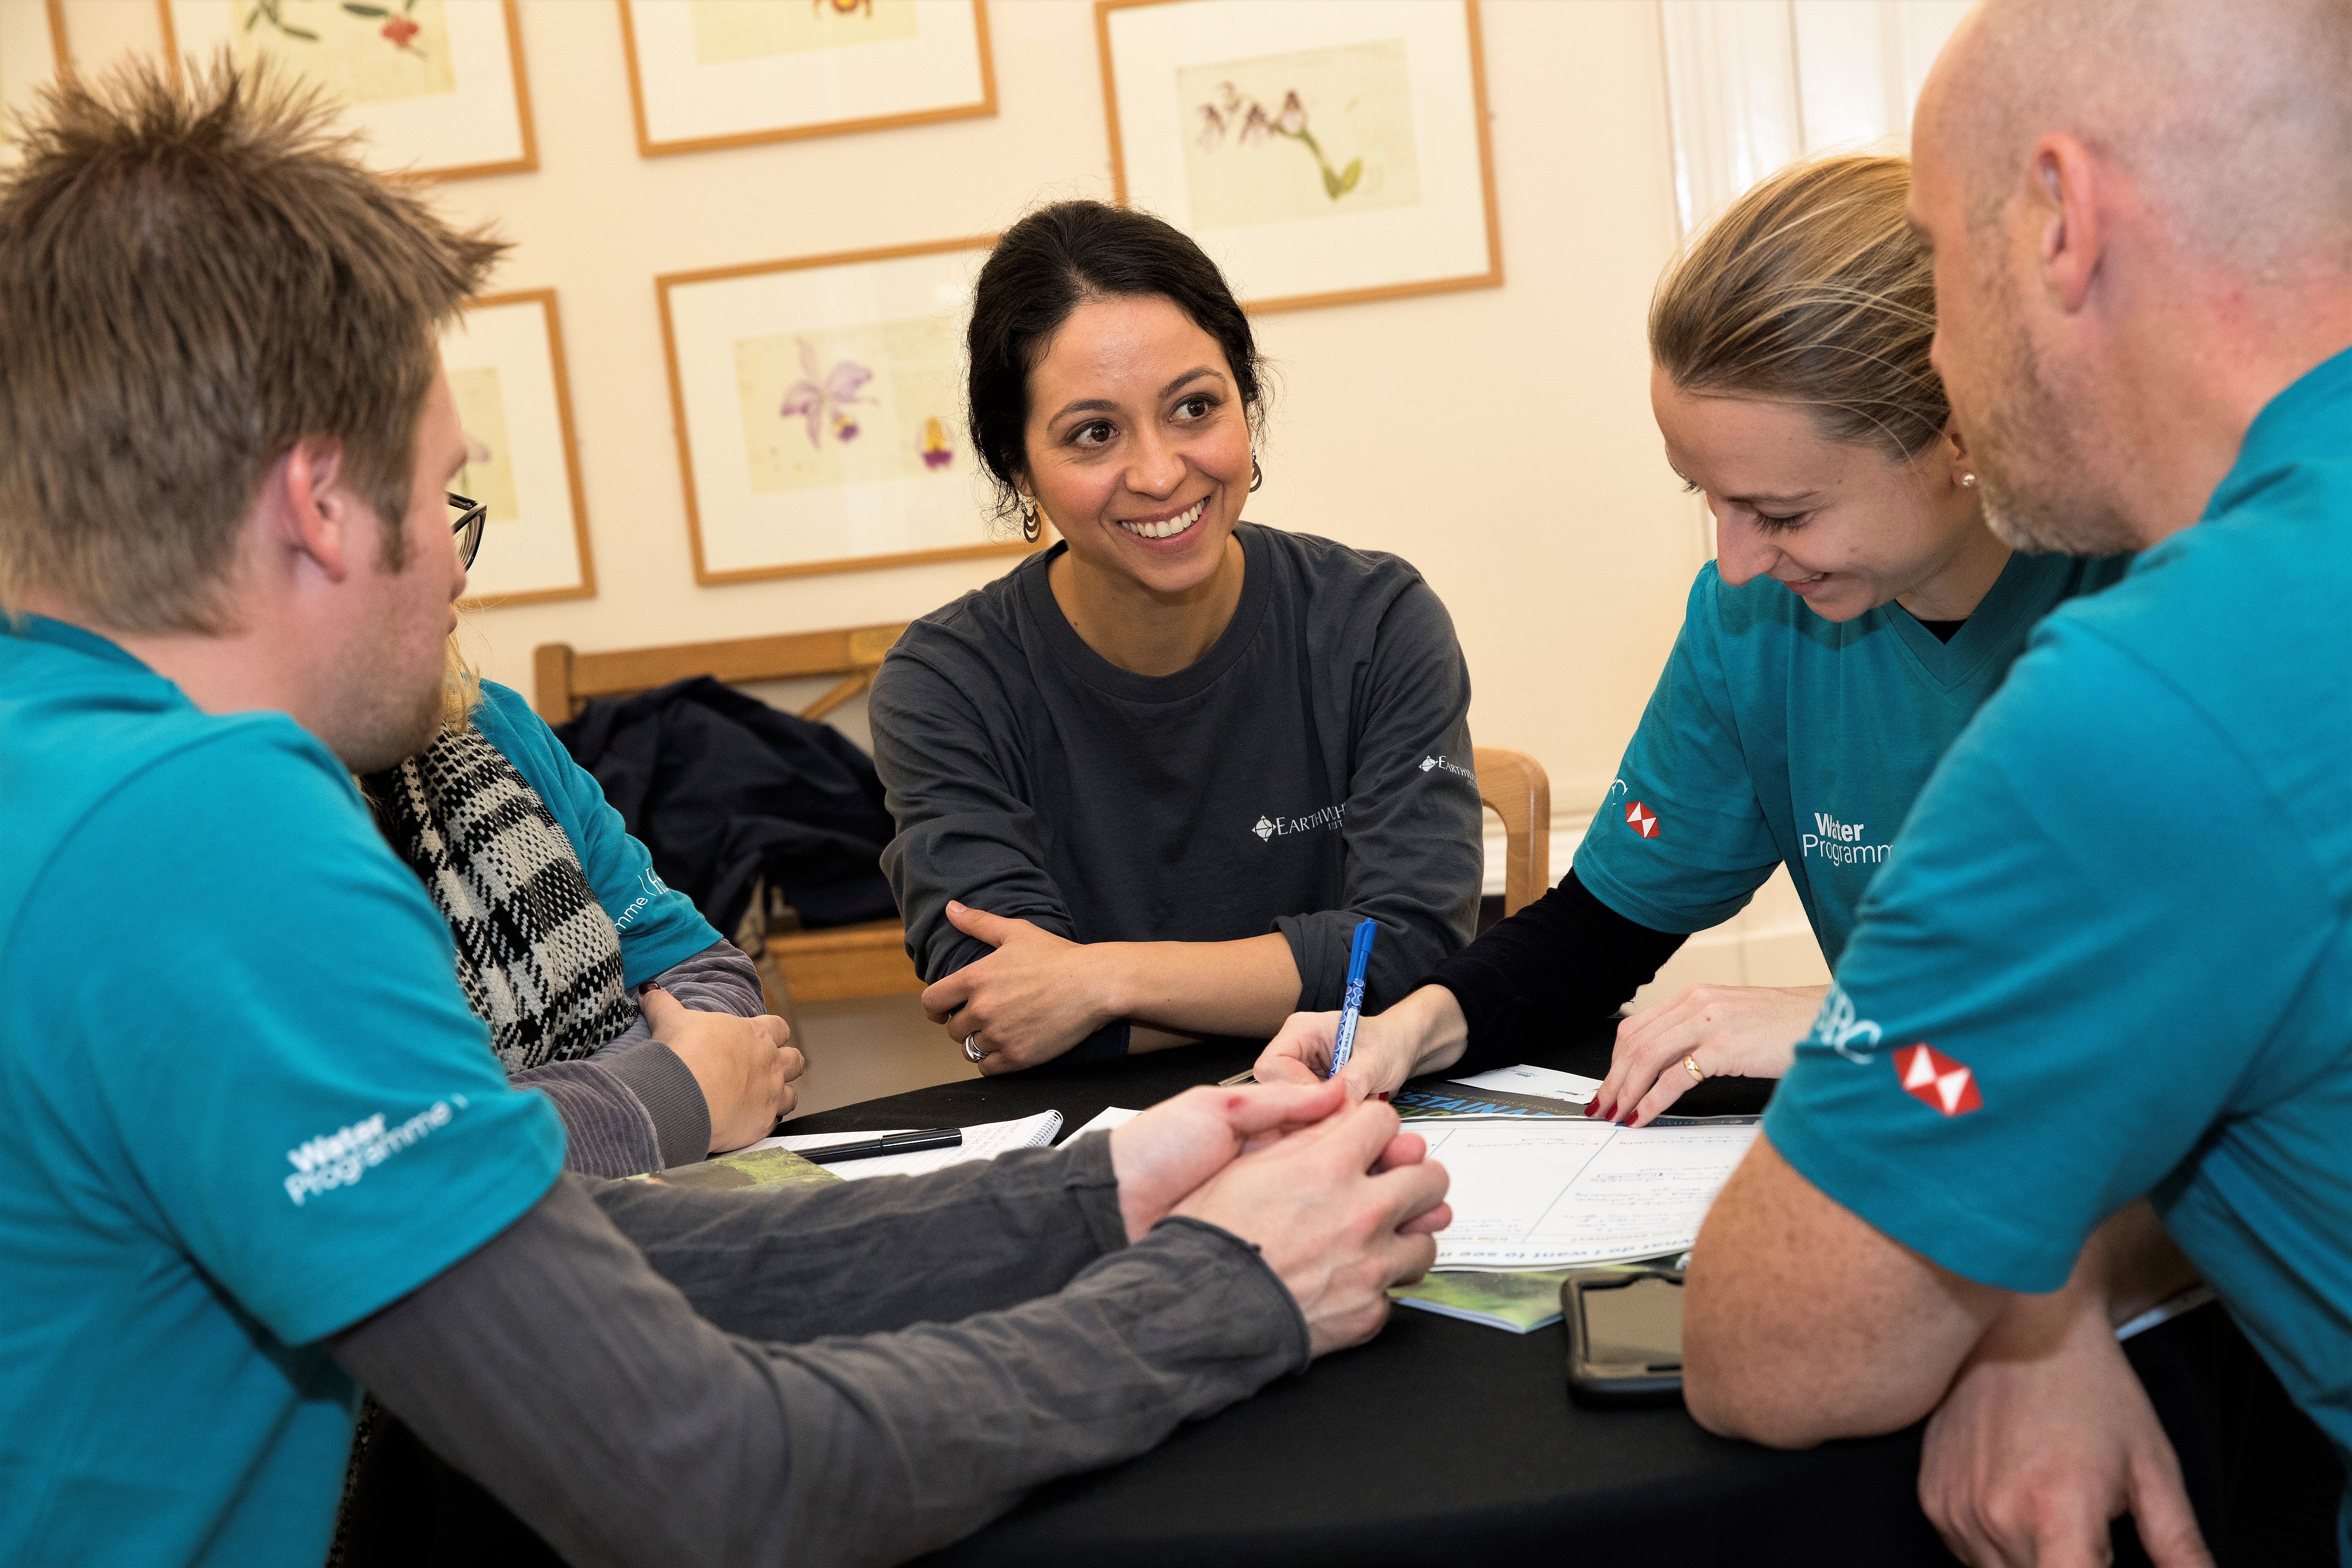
{"points": [[1536, 1193]]}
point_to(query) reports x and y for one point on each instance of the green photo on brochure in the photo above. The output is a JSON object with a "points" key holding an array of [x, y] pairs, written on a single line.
{"points": [[746, 1168]]}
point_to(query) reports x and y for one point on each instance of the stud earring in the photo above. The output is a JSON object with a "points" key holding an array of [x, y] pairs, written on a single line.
{"points": [[1968, 481]]}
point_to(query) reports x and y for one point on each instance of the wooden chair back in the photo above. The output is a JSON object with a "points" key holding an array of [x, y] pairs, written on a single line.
{"points": [[1516, 785], [562, 681]]}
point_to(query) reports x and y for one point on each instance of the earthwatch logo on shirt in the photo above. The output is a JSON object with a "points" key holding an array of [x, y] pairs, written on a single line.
{"points": [[1926, 1074], [1268, 828]]}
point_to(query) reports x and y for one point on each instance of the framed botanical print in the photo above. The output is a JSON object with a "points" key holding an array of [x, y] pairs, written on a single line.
{"points": [[32, 50], [1322, 153], [706, 74], [819, 405], [435, 86], [504, 359]]}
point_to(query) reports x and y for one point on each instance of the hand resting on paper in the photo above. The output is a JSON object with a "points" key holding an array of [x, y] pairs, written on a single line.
{"points": [[1731, 1031], [744, 1066]]}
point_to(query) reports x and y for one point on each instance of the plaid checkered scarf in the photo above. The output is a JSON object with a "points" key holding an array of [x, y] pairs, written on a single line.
{"points": [[537, 955]]}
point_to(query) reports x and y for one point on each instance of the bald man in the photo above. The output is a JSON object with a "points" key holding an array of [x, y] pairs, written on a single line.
{"points": [[2099, 1003]]}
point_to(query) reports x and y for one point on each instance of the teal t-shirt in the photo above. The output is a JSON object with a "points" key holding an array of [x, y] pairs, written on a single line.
{"points": [[659, 925], [2112, 954], [1778, 738], [245, 1106]]}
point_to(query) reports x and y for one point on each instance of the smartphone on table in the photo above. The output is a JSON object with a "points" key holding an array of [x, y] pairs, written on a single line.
{"points": [[1625, 1335]]}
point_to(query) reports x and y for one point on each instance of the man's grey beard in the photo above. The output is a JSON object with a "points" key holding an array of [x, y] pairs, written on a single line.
{"points": [[2059, 509], [2080, 527]]}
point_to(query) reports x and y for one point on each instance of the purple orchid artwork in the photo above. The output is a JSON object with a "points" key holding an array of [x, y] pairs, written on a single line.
{"points": [[1247, 119], [822, 402]]}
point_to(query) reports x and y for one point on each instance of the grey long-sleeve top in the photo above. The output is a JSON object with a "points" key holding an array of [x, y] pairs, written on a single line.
{"points": [[1311, 769], [847, 1374], [631, 1105]]}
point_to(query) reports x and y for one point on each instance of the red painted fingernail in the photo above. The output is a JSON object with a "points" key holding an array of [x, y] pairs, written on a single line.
{"points": [[1384, 1094]]}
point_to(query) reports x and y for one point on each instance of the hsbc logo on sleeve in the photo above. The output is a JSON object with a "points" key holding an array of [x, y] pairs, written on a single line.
{"points": [[1641, 819], [1932, 1079]]}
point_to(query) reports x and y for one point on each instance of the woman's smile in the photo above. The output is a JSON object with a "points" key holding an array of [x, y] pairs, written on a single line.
{"points": [[1167, 525]]}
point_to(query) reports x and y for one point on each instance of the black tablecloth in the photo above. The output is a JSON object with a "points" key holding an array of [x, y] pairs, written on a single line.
{"points": [[1447, 1442]]}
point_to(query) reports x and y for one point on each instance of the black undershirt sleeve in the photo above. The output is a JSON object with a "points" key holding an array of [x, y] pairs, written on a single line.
{"points": [[1565, 959]]}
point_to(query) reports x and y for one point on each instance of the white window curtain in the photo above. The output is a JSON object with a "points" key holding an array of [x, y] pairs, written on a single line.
{"points": [[1753, 84]]}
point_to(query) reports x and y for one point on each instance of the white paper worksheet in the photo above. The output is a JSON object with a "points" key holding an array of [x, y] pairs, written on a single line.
{"points": [[1529, 1194], [1526, 1078]]}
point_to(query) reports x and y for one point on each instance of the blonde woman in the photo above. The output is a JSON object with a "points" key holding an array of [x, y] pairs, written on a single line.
{"points": [[1858, 613]]}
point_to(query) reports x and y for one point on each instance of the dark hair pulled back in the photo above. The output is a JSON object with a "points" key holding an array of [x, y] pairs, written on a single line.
{"points": [[1045, 267]]}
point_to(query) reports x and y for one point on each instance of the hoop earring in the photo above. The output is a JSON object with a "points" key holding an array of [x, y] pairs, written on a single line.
{"points": [[1258, 475], [1030, 528]]}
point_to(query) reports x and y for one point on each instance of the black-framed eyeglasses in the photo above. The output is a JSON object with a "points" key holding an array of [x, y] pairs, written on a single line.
{"points": [[469, 517]]}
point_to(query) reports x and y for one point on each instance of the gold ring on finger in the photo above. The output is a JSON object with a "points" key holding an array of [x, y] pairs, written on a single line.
{"points": [[1690, 1066]]}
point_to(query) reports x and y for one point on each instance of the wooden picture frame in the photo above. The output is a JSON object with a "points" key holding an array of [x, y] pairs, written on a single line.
{"points": [[678, 105], [504, 359], [473, 120], [22, 55], [798, 485], [1198, 137]]}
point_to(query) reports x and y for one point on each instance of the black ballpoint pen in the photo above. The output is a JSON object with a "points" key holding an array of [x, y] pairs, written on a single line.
{"points": [[893, 1143]]}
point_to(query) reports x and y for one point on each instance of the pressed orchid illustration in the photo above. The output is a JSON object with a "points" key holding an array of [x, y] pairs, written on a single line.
{"points": [[822, 402], [398, 29], [937, 452], [1246, 120]]}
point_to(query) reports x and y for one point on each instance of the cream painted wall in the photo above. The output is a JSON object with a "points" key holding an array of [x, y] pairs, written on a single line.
{"points": [[1500, 439]]}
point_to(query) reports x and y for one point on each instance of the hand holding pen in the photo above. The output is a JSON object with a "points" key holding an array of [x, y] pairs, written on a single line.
{"points": [[1352, 1007]]}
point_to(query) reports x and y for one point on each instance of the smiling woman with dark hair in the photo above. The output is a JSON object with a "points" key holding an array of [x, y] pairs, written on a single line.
{"points": [[1148, 782]]}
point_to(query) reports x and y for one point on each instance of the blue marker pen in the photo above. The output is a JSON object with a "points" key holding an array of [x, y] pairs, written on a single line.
{"points": [[1360, 956]]}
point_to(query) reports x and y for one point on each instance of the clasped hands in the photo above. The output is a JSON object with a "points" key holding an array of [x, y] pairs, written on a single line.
{"points": [[1338, 1200]]}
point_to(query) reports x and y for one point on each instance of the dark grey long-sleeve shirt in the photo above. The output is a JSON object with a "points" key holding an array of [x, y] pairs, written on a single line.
{"points": [[846, 1374], [1311, 769]]}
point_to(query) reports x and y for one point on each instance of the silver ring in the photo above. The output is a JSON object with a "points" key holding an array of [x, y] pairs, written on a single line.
{"points": [[969, 1054]]}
